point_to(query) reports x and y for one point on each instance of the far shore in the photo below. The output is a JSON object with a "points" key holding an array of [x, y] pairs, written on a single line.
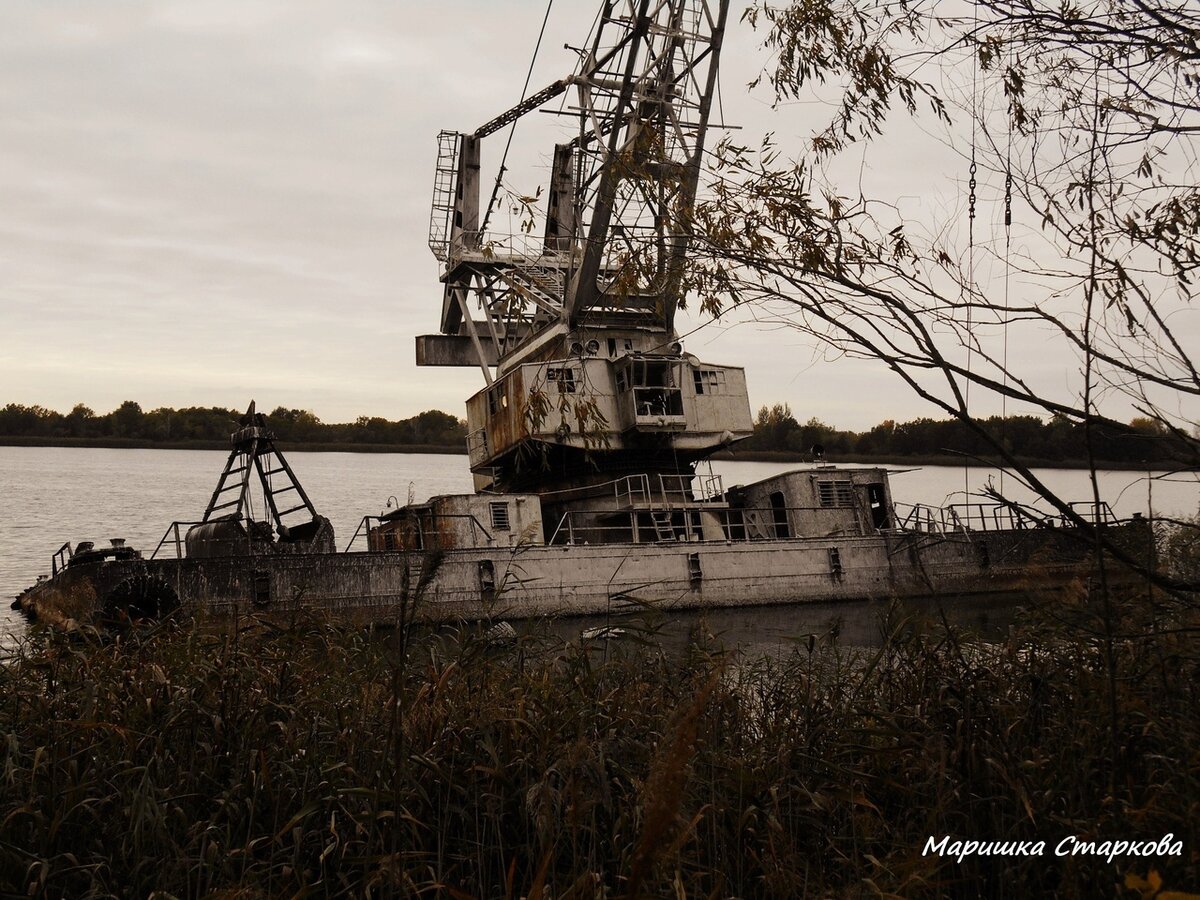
{"points": [[780, 456], [113, 443], [935, 459]]}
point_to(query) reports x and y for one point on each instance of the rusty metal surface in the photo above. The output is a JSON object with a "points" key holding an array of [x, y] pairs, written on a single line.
{"points": [[500, 411], [538, 581]]}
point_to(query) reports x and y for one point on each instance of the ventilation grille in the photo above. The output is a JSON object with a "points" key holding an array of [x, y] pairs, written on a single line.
{"points": [[499, 516], [835, 493]]}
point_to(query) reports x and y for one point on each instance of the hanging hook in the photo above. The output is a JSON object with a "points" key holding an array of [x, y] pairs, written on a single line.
{"points": [[971, 185], [1007, 197]]}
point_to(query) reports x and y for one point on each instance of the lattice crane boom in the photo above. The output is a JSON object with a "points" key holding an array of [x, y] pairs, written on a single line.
{"points": [[618, 208]]}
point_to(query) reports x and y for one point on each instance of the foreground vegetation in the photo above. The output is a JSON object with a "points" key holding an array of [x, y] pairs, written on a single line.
{"points": [[262, 762]]}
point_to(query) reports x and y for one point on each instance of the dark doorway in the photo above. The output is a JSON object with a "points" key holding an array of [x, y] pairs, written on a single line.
{"points": [[779, 512], [877, 502]]}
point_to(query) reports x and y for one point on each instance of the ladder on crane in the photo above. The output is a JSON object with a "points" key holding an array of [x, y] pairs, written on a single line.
{"points": [[445, 186]]}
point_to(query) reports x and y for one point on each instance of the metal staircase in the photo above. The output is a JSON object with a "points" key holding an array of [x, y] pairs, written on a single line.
{"points": [[539, 285], [663, 529]]}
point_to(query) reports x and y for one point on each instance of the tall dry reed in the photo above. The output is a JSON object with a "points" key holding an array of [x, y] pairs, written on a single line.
{"points": [[258, 762]]}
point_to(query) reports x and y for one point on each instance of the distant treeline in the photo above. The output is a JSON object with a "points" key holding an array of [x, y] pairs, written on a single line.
{"points": [[129, 422], [775, 430], [1057, 440]]}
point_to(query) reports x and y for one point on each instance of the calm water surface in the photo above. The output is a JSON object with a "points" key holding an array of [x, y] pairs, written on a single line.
{"points": [[56, 494]]}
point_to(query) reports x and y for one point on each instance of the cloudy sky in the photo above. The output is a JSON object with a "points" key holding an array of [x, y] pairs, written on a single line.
{"points": [[204, 202]]}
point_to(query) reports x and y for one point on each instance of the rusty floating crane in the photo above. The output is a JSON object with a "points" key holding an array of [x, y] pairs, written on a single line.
{"points": [[586, 438]]}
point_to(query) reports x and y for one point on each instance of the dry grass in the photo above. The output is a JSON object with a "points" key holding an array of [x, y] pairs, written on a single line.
{"points": [[318, 762]]}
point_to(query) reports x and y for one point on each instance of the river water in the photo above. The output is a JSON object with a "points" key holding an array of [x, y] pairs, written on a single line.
{"points": [[56, 494]]}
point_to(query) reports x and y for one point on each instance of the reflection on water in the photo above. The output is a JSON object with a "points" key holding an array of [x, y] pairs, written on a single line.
{"points": [[57, 494]]}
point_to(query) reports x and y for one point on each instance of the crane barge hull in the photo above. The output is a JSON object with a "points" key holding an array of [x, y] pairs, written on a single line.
{"points": [[381, 587]]}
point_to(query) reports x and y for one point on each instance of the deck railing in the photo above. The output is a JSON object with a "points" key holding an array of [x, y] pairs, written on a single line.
{"points": [[364, 528], [178, 541], [59, 560], [667, 490], [477, 446], [964, 517], [632, 489], [664, 524], [1095, 513], [428, 533]]}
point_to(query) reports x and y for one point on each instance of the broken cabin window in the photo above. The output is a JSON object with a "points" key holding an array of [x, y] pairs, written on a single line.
{"points": [[709, 381], [499, 516], [497, 398], [655, 389], [835, 493], [564, 378]]}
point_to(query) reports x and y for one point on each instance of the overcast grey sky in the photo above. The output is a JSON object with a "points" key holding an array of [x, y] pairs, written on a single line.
{"points": [[204, 202]]}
